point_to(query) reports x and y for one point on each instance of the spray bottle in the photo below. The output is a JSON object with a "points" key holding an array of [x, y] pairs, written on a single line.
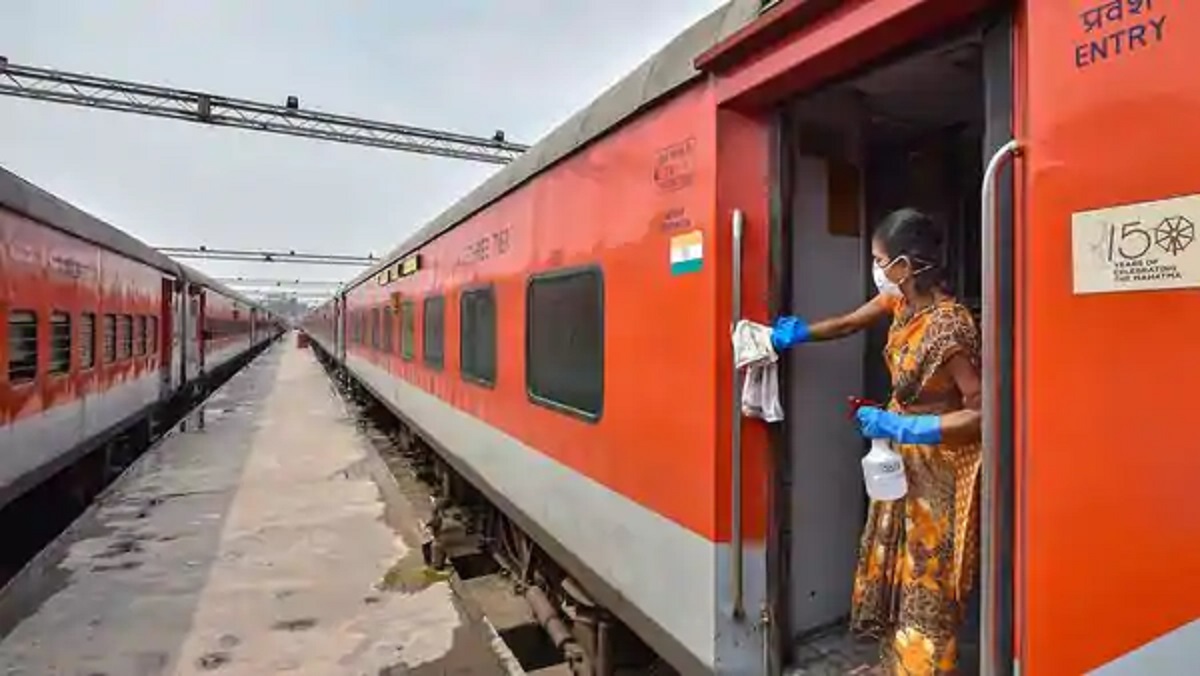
{"points": [[883, 468]]}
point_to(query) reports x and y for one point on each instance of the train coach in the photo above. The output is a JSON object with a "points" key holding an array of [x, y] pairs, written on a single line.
{"points": [[104, 335], [560, 337]]}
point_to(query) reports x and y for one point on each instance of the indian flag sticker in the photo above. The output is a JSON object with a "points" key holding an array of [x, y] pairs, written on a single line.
{"points": [[687, 252]]}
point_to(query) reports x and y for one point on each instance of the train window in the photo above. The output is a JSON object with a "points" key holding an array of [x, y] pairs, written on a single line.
{"points": [[60, 343], [564, 348], [477, 348], [152, 335], [22, 346], [375, 328], [125, 328], [140, 345], [388, 328], [110, 338], [408, 330], [87, 340], [434, 332]]}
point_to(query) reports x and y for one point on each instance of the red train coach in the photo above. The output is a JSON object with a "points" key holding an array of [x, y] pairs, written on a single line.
{"points": [[561, 335], [103, 332]]}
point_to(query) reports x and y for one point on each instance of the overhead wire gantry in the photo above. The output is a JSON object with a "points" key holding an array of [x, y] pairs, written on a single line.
{"points": [[43, 84], [261, 256]]}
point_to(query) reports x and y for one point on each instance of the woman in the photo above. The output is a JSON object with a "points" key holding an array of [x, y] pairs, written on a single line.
{"points": [[918, 554]]}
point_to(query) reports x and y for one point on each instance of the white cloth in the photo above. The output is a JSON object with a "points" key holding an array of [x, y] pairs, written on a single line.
{"points": [[754, 354]]}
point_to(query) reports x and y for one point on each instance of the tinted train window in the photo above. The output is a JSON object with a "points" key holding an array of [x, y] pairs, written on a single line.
{"points": [[60, 343], [408, 330], [125, 328], [153, 335], [434, 338], [375, 328], [388, 328], [564, 349], [22, 346], [478, 345], [87, 340], [110, 338], [140, 345]]}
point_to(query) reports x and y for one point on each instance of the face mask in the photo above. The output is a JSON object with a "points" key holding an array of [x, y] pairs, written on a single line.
{"points": [[885, 285]]}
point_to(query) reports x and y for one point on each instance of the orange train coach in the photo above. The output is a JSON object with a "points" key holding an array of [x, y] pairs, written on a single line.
{"points": [[560, 337]]}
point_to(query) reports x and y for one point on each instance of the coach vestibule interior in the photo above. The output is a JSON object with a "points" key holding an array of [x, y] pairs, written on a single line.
{"points": [[907, 132]]}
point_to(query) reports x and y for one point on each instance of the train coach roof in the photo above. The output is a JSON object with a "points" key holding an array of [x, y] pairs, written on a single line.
{"points": [[661, 74], [26, 198]]}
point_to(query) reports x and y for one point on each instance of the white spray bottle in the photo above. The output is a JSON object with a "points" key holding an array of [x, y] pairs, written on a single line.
{"points": [[883, 468], [883, 472]]}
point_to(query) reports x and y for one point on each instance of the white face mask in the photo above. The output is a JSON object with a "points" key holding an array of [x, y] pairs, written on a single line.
{"points": [[886, 286]]}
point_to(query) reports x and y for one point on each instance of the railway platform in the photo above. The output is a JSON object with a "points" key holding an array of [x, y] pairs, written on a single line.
{"points": [[261, 536]]}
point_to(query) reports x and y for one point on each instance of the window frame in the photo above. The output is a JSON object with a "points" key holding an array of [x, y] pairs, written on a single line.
{"points": [[490, 289], [50, 357], [140, 341], [408, 330], [84, 342], [8, 370], [124, 338], [566, 409], [388, 319], [152, 335], [109, 357], [440, 364]]}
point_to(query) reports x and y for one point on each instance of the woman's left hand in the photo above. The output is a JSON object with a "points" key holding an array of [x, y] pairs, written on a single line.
{"points": [[876, 423]]}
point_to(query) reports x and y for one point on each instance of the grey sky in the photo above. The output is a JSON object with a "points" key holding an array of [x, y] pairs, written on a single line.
{"points": [[464, 65]]}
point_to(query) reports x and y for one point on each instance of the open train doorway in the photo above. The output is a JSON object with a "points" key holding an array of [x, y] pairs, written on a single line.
{"points": [[915, 130]]}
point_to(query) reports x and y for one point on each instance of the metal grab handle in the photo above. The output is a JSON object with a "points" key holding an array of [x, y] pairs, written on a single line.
{"points": [[990, 652], [736, 544]]}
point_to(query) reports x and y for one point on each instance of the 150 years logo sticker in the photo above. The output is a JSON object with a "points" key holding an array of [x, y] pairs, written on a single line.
{"points": [[1137, 247]]}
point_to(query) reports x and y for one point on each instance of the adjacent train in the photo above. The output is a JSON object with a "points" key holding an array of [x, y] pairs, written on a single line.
{"points": [[104, 334], [560, 337]]}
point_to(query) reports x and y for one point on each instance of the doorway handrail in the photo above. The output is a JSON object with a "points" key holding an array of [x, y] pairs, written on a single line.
{"points": [[992, 654], [736, 544]]}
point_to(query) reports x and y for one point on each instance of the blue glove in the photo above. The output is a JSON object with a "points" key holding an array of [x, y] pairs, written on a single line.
{"points": [[876, 423], [789, 331]]}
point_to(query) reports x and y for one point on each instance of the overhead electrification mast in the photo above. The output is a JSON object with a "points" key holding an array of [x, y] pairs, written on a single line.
{"points": [[58, 86]]}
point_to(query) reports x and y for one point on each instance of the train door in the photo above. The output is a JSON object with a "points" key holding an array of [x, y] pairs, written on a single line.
{"points": [[1106, 337], [914, 129], [339, 322], [167, 348], [868, 107], [191, 327], [203, 332], [180, 341]]}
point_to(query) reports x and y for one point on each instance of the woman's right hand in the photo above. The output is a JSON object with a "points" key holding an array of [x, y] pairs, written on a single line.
{"points": [[789, 331]]}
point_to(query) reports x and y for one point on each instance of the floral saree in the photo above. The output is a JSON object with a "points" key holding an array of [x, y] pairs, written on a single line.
{"points": [[918, 555]]}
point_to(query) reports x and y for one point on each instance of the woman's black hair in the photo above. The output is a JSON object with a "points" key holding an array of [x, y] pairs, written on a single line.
{"points": [[912, 233]]}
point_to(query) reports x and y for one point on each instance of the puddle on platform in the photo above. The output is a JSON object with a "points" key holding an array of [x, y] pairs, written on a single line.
{"points": [[410, 575]]}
